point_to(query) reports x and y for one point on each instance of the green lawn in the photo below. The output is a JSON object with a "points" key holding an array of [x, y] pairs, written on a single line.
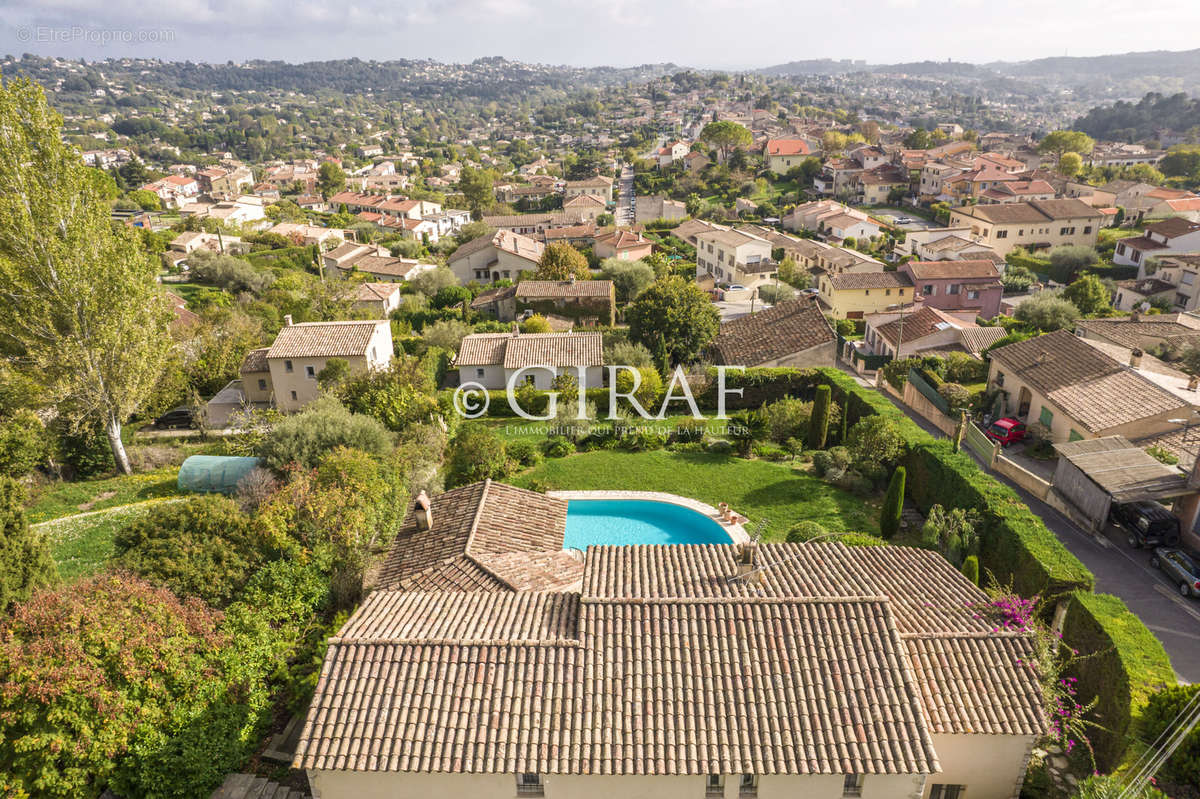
{"points": [[56, 500], [758, 489], [82, 546]]}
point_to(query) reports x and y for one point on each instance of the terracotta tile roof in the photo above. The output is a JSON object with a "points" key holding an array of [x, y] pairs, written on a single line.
{"points": [[537, 289], [583, 200], [372, 292], [1144, 333], [323, 339], [597, 182], [1033, 211], [486, 537], [554, 349], [1054, 360], [521, 246], [486, 298], [789, 327], [622, 239], [917, 325], [786, 147], [977, 339], [842, 660], [255, 361], [1143, 243], [869, 280], [963, 270], [1174, 227], [483, 349]]}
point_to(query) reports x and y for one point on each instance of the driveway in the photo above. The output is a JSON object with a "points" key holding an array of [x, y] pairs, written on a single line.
{"points": [[915, 223], [1123, 572]]}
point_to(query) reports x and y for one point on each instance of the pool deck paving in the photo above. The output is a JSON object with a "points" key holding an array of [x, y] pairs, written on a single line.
{"points": [[737, 533]]}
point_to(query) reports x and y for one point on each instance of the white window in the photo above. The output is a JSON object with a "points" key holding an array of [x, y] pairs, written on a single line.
{"points": [[952, 288], [943, 791], [310, 371], [714, 785], [973, 294], [1186, 278], [530, 785], [852, 785], [287, 366]]}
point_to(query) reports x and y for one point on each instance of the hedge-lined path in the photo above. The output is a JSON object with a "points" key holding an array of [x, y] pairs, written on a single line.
{"points": [[1120, 571]]}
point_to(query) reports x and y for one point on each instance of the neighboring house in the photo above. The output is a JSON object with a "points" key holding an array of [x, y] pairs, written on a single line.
{"points": [[586, 302], [256, 377], [1149, 333], [598, 186], [1078, 392], [734, 257], [957, 285], [1037, 225], [1017, 191], [923, 330], [372, 260], [695, 162], [225, 183], [1184, 207], [1183, 273], [302, 350], [533, 224], [839, 227], [378, 298], [1133, 294], [189, 242], [309, 235], [792, 333], [780, 155], [945, 244], [500, 256], [671, 152], [491, 664], [688, 230], [851, 295], [624, 245], [647, 208], [491, 359], [876, 186], [1159, 239], [586, 207], [815, 216]]}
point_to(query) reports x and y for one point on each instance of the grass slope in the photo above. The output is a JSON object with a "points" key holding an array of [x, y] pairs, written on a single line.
{"points": [[759, 489], [56, 500]]}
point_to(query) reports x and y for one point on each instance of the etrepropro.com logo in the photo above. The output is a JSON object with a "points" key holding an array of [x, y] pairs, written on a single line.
{"points": [[472, 399]]}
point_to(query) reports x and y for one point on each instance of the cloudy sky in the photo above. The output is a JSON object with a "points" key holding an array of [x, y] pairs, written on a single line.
{"points": [[729, 34]]}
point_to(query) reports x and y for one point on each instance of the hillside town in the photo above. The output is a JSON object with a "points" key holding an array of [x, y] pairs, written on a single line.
{"points": [[400, 429]]}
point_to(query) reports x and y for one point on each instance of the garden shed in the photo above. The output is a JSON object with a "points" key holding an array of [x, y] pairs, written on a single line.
{"points": [[1094, 473], [214, 474]]}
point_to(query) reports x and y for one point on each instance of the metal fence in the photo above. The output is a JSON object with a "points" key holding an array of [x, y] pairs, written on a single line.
{"points": [[979, 443], [928, 391]]}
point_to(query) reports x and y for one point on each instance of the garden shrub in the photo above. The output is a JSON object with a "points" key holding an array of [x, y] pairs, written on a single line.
{"points": [[201, 546], [804, 531], [875, 444], [970, 568], [643, 440], [23, 443], [557, 447], [787, 418], [25, 560], [893, 505], [84, 452], [1120, 664], [769, 452], [720, 448], [831, 463], [304, 438], [818, 426], [689, 431], [524, 452], [1163, 708]]}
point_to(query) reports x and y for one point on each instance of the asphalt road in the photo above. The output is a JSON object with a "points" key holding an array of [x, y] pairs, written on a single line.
{"points": [[1126, 573], [624, 214]]}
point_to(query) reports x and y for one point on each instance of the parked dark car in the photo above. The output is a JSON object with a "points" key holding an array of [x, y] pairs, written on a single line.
{"points": [[1006, 431], [175, 419], [1146, 524], [1180, 567]]}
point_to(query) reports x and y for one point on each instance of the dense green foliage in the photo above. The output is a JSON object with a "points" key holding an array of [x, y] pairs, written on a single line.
{"points": [[1162, 710], [304, 438], [674, 319], [25, 562], [475, 453], [818, 429], [893, 505], [24, 443]]}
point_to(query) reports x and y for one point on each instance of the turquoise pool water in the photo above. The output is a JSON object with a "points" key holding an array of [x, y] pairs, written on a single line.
{"points": [[595, 522]]}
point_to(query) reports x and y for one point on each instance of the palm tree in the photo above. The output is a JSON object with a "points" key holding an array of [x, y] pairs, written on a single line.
{"points": [[746, 427]]}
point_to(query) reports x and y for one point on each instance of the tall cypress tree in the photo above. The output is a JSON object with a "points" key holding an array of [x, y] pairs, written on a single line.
{"points": [[25, 562], [818, 423], [893, 505]]}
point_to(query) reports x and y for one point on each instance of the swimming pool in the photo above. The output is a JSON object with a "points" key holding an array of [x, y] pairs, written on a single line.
{"points": [[595, 522]]}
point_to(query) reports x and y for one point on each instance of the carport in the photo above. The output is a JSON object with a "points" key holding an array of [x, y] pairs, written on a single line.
{"points": [[1094, 473]]}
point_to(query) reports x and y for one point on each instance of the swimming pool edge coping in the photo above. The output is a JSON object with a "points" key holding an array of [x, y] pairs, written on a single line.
{"points": [[737, 532]]}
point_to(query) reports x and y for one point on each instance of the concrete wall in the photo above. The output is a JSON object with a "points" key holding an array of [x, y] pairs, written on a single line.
{"points": [[394, 785], [821, 355], [1021, 476], [991, 766], [254, 392], [917, 401]]}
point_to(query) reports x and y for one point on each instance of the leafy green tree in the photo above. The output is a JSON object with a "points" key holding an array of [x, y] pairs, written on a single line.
{"points": [[330, 179], [303, 438], [1017, 279], [746, 427], [833, 142], [1089, 295], [201, 547], [629, 278], [628, 353], [561, 261], [875, 444], [725, 136], [475, 453], [80, 311], [791, 273], [1047, 312], [893, 505], [25, 560], [432, 281], [478, 187], [675, 316], [145, 199], [1068, 260], [1182, 160], [1066, 141], [404, 394], [918, 139], [1070, 164], [536, 324], [818, 427]]}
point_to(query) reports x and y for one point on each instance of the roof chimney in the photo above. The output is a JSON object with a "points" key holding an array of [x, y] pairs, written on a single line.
{"points": [[1135, 358], [287, 320], [746, 561], [423, 512]]}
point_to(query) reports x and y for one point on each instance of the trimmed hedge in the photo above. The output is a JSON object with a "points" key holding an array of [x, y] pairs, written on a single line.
{"points": [[1121, 664]]}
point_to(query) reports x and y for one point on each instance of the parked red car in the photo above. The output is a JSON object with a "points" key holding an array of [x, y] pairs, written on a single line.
{"points": [[1006, 431]]}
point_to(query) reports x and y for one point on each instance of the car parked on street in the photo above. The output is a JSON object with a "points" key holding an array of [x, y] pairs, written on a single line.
{"points": [[1146, 523], [1180, 567], [175, 419], [1006, 431]]}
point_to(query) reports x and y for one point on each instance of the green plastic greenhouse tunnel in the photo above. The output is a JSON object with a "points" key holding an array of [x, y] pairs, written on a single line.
{"points": [[210, 474]]}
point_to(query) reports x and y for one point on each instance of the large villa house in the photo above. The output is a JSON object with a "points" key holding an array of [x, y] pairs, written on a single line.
{"points": [[489, 662]]}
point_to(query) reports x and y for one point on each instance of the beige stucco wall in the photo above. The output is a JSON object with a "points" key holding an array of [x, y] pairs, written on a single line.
{"points": [[862, 301], [391, 785], [251, 388], [496, 377], [464, 268], [821, 355], [1024, 234], [283, 382], [991, 766]]}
